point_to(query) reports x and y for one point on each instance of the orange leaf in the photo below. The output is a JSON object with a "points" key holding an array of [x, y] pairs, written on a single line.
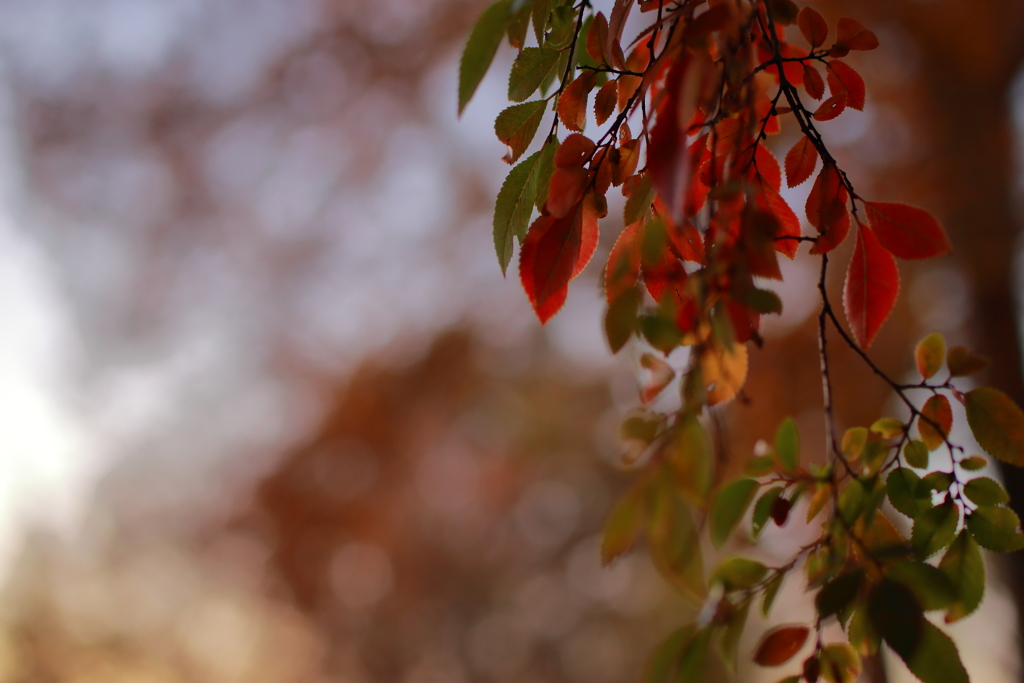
{"points": [[604, 102], [661, 374], [813, 26], [572, 103], [813, 84], [842, 78], [760, 162], [872, 284], [800, 161], [831, 108], [779, 645], [596, 38], [574, 151], [851, 35], [623, 270], [907, 231], [588, 232], [937, 410]]}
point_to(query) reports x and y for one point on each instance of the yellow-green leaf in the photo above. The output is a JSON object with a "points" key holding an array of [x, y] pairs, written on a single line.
{"points": [[997, 423], [929, 354], [739, 573], [839, 663], [674, 540], [514, 205], [690, 457], [975, 462], [888, 427], [729, 507], [480, 49], [787, 445], [853, 442]]}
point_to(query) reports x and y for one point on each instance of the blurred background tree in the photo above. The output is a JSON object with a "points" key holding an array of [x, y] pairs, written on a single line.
{"points": [[296, 425]]}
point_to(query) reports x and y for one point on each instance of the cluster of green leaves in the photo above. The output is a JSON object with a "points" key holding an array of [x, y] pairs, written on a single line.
{"points": [[705, 84]]}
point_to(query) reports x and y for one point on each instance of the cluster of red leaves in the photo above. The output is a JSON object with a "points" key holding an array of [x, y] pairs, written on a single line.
{"points": [[713, 89]]}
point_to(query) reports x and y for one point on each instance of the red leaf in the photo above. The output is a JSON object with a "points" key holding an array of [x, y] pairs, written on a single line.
{"points": [[779, 645], [826, 210], [604, 102], [565, 189], [760, 162], [813, 84], [842, 78], [667, 160], [831, 108], [623, 270], [789, 224], [872, 283], [851, 35], [550, 257], [800, 161], [907, 231], [572, 103], [813, 26], [574, 151]]}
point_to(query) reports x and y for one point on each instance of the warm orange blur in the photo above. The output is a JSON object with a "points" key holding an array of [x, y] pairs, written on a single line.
{"points": [[273, 414]]}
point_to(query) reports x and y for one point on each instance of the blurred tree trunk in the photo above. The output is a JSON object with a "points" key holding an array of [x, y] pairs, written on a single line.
{"points": [[971, 52]]}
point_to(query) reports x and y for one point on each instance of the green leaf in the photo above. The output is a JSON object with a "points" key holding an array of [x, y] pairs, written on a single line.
{"points": [[938, 481], [997, 423], [763, 509], [739, 573], [620, 320], [935, 528], [932, 588], [928, 652], [623, 525], [838, 593], [729, 645], [545, 169], [529, 70], [975, 462], [906, 492], [760, 466], [763, 301], [729, 507], [640, 201], [963, 566], [514, 206], [541, 15], [996, 528], [563, 25], [929, 354], [888, 427], [662, 663], [985, 491], [852, 500], [787, 445], [516, 126], [916, 454], [674, 540], [771, 591], [661, 333], [962, 362], [480, 49], [691, 459]]}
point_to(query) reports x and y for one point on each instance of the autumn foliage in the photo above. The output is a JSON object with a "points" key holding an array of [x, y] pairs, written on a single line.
{"points": [[679, 119]]}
